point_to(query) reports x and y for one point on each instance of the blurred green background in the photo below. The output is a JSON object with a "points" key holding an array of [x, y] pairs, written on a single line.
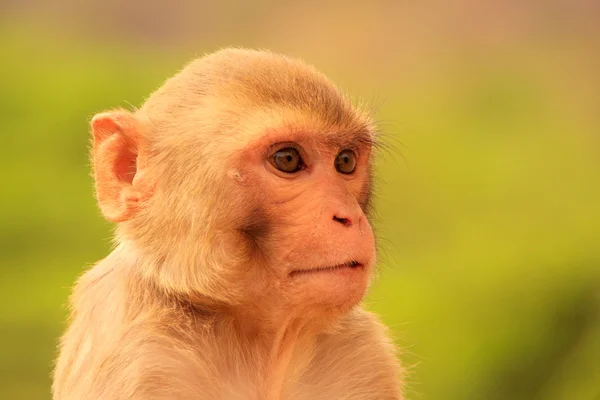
{"points": [[488, 197]]}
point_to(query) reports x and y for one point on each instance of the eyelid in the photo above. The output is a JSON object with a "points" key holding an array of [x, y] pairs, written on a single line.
{"points": [[349, 148], [275, 147], [281, 145], [353, 150]]}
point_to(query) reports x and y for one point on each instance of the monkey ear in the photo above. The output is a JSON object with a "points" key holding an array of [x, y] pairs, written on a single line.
{"points": [[120, 182]]}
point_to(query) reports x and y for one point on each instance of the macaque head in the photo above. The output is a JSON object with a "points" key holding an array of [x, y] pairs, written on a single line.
{"points": [[243, 181]]}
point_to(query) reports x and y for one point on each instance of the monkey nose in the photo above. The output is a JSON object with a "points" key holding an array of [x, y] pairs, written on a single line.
{"points": [[342, 220]]}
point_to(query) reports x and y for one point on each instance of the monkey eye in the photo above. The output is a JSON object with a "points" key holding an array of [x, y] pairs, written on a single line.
{"points": [[345, 162], [287, 160]]}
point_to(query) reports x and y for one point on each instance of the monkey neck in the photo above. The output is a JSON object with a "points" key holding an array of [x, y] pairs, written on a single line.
{"points": [[285, 348], [283, 340]]}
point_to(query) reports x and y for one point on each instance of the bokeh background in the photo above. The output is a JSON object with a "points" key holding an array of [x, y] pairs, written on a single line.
{"points": [[488, 196]]}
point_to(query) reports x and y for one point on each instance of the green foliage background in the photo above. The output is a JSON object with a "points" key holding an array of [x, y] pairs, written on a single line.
{"points": [[488, 212]]}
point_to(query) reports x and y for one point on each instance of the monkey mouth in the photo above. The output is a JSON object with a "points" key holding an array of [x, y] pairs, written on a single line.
{"points": [[349, 264]]}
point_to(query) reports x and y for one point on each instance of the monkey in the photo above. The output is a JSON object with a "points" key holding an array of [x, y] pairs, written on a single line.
{"points": [[240, 192]]}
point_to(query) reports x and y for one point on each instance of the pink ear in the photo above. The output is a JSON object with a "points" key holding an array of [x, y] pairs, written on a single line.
{"points": [[115, 157]]}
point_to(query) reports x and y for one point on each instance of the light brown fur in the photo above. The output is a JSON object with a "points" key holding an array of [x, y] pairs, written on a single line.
{"points": [[202, 297]]}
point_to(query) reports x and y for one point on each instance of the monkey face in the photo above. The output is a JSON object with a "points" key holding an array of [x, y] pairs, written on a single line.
{"points": [[304, 196]]}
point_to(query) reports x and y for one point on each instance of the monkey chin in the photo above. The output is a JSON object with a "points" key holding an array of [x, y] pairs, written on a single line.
{"points": [[338, 287]]}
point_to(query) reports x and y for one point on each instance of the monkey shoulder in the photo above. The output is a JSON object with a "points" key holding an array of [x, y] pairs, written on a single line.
{"points": [[122, 344], [356, 357], [139, 363]]}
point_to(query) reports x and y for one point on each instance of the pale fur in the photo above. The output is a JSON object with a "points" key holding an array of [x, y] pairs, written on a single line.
{"points": [[175, 311]]}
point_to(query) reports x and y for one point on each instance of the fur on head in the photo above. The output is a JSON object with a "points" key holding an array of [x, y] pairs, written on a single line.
{"points": [[185, 177]]}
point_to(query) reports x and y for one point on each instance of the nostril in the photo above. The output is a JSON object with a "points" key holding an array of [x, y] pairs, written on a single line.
{"points": [[343, 221]]}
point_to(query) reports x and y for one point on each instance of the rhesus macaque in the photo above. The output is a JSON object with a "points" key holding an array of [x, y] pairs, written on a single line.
{"points": [[241, 194]]}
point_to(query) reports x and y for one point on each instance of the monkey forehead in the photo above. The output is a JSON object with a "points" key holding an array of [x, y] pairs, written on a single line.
{"points": [[265, 128], [250, 79]]}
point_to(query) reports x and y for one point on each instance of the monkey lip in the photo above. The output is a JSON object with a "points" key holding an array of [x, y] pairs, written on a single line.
{"points": [[347, 265]]}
